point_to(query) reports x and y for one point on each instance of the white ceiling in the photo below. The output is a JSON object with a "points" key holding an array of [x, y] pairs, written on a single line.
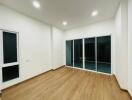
{"points": [[76, 12]]}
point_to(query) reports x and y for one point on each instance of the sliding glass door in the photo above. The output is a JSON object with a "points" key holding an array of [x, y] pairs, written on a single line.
{"points": [[104, 54], [69, 53], [78, 58], [90, 61], [90, 53]]}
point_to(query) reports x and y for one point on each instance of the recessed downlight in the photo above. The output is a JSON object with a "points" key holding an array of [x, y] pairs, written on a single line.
{"points": [[36, 4], [64, 23], [94, 13]]}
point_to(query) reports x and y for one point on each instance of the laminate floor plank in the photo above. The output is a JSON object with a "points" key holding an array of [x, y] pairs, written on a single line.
{"points": [[67, 84]]}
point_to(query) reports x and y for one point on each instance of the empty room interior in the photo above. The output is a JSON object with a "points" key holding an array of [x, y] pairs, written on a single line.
{"points": [[65, 49]]}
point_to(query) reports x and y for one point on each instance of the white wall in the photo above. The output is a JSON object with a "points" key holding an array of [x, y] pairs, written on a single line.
{"points": [[130, 46], [34, 44], [97, 29], [58, 46], [121, 47]]}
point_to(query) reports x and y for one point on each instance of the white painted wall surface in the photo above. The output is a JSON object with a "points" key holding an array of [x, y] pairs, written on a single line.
{"points": [[34, 44], [121, 41], [58, 46], [97, 29], [130, 46]]}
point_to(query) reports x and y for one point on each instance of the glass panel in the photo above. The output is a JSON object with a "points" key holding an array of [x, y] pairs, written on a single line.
{"points": [[104, 54], [10, 47], [10, 72], [69, 53], [78, 59], [90, 62]]}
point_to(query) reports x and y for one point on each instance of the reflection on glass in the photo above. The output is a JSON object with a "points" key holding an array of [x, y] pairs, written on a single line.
{"points": [[69, 53], [78, 58], [104, 54], [90, 62]]}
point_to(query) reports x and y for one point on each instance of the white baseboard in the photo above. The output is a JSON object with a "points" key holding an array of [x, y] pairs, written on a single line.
{"points": [[88, 70], [123, 88], [130, 92], [120, 84], [54, 68]]}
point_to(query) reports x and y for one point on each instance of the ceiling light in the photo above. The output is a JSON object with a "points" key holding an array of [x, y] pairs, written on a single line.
{"points": [[65, 23], [94, 13], [36, 4]]}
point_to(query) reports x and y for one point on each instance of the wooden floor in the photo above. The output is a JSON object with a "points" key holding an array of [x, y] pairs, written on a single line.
{"points": [[67, 84]]}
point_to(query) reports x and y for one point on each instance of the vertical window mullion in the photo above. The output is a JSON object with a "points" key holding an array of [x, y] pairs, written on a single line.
{"points": [[83, 51], [73, 53], [96, 52]]}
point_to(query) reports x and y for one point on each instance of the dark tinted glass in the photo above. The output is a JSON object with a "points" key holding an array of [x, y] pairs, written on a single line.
{"points": [[9, 47], [90, 62], [104, 54], [78, 58], [10, 72], [69, 53]]}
